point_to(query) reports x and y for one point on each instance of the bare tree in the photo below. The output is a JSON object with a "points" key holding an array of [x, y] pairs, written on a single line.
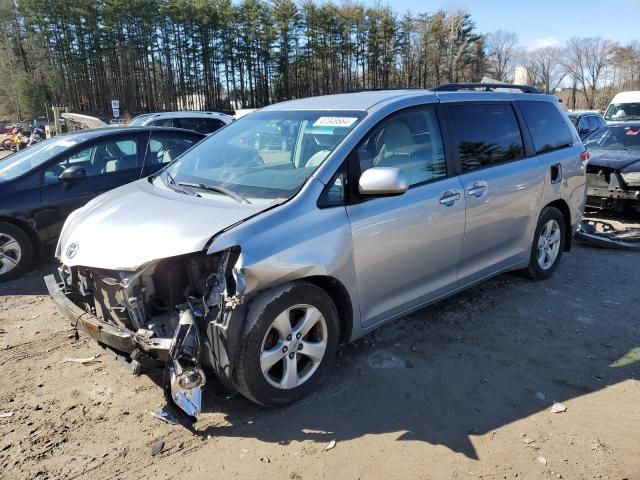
{"points": [[585, 60], [545, 67], [502, 50]]}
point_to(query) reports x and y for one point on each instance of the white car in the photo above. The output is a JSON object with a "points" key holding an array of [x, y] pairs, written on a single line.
{"points": [[625, 106], [202, 122]]}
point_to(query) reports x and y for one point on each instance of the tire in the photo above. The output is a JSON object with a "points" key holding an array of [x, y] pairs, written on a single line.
{"points": [[7, 143], [285, 308], [16, 251], [542, 266]]}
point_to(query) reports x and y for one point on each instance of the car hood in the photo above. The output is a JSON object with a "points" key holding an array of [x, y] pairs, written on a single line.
{"points": [[617, 159], [140, 222]]}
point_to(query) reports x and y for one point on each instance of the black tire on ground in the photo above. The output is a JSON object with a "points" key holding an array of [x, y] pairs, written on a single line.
{"points": [[7, 143], [535, 270], [26, 250], [261, 313]]}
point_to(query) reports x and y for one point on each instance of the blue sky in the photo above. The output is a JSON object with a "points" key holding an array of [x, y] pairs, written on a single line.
{"points": [[543, 22]]}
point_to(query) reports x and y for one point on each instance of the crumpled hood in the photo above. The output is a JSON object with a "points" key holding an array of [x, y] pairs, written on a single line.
{"points": [[139, 222], [617, 159]]}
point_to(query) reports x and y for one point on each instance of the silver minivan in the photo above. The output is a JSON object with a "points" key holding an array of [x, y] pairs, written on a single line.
{"points": [[247, 262]]}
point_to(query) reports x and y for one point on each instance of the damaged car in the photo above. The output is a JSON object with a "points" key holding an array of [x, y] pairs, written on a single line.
{"points": [[246, 266], [613, 172]]}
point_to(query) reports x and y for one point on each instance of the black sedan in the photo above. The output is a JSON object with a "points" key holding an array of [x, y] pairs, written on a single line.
{"points": [[586, 122], [41, 185], [613, 171]]}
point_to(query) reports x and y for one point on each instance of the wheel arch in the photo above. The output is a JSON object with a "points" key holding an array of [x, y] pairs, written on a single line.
{"points": [[341, 299], [27, 229], [563, 207]]}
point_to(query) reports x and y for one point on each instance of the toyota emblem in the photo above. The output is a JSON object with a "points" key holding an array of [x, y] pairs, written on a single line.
{"points": [[72, 250]]}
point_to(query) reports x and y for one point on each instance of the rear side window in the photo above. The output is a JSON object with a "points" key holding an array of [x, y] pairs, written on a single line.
{"points": [[485, 134], [548, 129], [201, 125], [593, 123]]}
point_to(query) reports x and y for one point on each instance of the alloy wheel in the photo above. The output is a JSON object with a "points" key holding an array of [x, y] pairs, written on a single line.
{"points": [[549, 244]]}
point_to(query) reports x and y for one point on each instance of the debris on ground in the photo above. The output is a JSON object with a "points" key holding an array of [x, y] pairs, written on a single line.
{"points": [[557, 408], [6, 414], [605, 235], [166, 416], [83, 361], [157, 447], [265, 459], [542, 460], [527, 440], [332, 444]]}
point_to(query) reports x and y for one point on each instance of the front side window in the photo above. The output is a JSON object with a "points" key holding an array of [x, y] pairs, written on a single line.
{"points": [[485, 134], [22, 162], [409, 141], [267, 155], [584, 124], [106, 157], [615, 138], [593, 123], [548, 128]]}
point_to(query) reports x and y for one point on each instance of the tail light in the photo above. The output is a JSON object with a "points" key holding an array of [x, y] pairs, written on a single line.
{"points": [[584, 156]]}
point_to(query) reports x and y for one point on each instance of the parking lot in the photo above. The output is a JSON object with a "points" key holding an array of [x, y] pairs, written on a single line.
{"points": [[461, 389]]}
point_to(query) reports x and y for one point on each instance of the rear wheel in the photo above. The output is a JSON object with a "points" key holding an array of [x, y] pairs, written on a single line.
{"points": [[548, 244], [289, 344], [16, 251], [7, 144]]}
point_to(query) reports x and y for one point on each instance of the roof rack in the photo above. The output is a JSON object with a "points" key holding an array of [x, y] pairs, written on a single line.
{"points": [[487, 87]]}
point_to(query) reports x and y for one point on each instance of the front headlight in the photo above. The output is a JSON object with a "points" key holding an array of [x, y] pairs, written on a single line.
{"points": [[631, 178]]}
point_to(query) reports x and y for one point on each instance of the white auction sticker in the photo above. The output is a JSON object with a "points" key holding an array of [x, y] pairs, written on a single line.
{"points": [[335, 121]]}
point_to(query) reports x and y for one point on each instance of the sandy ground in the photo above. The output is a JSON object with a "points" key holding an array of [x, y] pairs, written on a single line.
{"points": [[461, 389]]}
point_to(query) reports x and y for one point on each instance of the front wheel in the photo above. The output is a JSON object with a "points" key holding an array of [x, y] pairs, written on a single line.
{"points": [[7, 144], [288, 345], [548, 244]]}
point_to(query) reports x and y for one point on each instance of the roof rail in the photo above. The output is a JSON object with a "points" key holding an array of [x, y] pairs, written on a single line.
{"points": [[487, 87]]}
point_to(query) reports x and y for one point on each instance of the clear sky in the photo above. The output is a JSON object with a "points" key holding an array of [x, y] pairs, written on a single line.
{"points": [[542, 22]]}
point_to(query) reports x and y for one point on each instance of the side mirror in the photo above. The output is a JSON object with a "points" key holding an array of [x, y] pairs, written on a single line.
{"points": [[382, 181], [73, 173]]}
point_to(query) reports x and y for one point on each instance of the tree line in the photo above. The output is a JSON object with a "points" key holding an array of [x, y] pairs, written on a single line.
{"points": [[221, 55]]}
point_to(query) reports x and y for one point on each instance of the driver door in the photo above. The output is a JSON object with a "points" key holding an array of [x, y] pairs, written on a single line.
{"points": [[107, 164]]}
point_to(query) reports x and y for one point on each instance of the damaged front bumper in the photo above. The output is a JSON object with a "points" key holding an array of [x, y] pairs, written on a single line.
{"points": [[141, 316]]}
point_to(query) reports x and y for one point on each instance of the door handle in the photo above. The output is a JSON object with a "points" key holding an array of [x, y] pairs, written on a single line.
{"points": [[478, 189], [449, 198]]}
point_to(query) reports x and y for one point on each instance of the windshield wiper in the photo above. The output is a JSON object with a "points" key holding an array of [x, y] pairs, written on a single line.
{"points": [[215, 188], [170, 182]]}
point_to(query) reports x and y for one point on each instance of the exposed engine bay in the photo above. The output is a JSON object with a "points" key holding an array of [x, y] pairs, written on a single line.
{"points": [[161, 313]]}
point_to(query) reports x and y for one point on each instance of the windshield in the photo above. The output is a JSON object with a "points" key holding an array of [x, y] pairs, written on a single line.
{"points": [[265, 155], [615, 138], [15, 165], [623, 111], [139, 120]]}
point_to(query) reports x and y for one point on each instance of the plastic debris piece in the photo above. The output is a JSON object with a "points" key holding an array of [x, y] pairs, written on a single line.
{"points": [[557, 408], [165, 416], [6, 414], [542, 460], [332, 444], [527, 440], [83, 361]]}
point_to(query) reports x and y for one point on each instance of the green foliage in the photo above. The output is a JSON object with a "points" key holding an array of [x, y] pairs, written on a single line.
{"points": [[219, 54]]}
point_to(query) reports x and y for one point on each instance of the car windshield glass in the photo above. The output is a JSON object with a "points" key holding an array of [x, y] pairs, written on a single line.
{"points": [[615, 138], [21, 162], [139, 120], [623, 111], [265, 155]]}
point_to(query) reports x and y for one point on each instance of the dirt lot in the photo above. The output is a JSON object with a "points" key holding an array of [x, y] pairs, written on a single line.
{"points": [[458, 390]]}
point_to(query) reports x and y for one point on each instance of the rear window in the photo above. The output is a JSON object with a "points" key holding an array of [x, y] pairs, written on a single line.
{"points": [[485, 134], [548, 129]]}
